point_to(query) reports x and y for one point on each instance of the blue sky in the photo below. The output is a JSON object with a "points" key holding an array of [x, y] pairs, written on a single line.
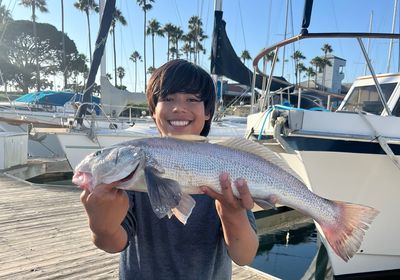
{"points": [[251, 25]]}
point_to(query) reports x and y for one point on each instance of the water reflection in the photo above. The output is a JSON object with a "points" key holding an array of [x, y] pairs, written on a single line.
{"points": [[287, 253]]}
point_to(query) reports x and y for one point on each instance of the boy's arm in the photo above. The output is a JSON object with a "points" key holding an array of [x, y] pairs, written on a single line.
{"points": [[106, 207], [240, 238]]}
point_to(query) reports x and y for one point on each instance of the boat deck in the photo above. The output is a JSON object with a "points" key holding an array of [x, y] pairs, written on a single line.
{"points": [[44, 235]]}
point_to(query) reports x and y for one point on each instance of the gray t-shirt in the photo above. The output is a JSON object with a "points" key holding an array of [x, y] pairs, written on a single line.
{"points": [[167, 249]]}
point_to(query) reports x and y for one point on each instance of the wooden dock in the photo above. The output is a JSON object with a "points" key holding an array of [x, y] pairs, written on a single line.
{"points": [[44, 235]]}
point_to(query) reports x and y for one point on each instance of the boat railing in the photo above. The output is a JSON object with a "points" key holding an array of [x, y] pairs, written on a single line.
{"points": [[103, 116], [306, 35]]}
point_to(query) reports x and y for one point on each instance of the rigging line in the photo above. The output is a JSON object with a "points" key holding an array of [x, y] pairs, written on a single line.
{"points": [[269, 23], [241, 23], [178, 14]]}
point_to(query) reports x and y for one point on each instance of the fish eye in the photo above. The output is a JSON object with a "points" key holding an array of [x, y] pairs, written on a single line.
{"points": [[97, 153]]}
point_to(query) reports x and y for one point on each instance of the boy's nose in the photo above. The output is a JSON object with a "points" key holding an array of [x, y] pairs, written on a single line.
{"points": [[179, 107]]}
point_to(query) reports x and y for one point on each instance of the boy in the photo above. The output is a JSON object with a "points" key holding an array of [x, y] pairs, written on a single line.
{"points": [[221, 228]]}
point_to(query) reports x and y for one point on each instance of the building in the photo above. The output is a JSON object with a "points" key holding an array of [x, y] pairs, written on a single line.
{"points": [[331, 80]]}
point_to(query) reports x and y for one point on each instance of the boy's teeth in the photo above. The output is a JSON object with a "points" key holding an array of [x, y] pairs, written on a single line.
{"points": [[179, 123]]}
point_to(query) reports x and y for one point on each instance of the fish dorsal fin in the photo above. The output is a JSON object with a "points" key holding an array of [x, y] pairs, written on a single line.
{"points": [[260, 150], [189, 137]]}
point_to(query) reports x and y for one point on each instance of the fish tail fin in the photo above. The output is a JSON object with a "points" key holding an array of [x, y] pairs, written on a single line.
{"points": [[346, 233]]}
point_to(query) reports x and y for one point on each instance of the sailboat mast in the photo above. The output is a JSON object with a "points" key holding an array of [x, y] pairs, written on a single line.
{"points": [[391, 40], [103, 63], [369, 40], [285, 35], [218, 78]]}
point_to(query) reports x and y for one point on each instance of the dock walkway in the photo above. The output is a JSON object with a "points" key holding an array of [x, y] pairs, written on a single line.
{"points": [[44, 235]]}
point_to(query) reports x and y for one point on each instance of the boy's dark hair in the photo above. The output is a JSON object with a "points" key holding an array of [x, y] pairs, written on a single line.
{"points": [[180, 75]]}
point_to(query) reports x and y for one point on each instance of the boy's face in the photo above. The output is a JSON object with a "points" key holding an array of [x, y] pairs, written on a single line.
{"points": [[180, 113]]}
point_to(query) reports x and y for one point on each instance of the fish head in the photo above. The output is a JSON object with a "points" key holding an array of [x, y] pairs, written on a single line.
{"points": [[120, 164]]}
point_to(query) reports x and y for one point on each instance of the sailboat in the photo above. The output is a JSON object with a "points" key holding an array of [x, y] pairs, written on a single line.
{"points": [[352, 154]]}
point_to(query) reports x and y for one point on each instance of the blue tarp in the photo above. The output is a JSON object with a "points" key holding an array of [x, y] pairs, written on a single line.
{"points": [[54, 98]]}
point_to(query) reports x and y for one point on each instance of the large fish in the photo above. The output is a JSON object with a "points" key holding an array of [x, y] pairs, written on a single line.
{"points": [[171, 169]]}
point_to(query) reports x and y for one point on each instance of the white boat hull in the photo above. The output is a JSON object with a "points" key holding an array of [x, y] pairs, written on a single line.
{"points": [[375, 182]]}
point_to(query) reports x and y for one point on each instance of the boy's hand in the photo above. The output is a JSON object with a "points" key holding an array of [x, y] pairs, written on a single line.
{"points": [[228, 206], [106, 207]]}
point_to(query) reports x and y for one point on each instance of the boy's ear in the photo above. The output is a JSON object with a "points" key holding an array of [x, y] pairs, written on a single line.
{"points": [[207, 117]]}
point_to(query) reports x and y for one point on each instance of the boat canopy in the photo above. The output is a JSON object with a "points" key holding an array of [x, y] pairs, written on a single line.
{"points": [[54, 98]]}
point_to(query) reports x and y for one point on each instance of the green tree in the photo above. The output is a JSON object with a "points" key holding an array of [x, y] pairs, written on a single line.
{"points": [[150, 70], [309, 73], [18, 46], [245, 55], [175, 38], [168, 29], [326, 48], [146, 6], [135, 57], [86, 6], [42, 6], [5, 15], [317, 63], [117, 17], [121, 74], [269, 58], [297, 57], [196, 36], [153, 29]]}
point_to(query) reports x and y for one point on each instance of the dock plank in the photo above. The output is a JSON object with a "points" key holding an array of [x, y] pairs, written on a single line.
{"points": [[44, 235]]}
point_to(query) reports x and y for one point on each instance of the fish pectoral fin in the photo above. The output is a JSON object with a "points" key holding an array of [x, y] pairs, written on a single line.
{"points": [[265, 204], [184, 209], [164, 194]]}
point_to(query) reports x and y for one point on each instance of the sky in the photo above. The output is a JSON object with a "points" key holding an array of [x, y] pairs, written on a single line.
{"points": [[251, 25]]}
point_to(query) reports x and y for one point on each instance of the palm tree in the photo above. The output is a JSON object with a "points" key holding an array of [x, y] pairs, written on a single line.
{"points": [[300, 68], [146, 6], [121, 74], [310, 73], [168, 29], [196, 35], [245, 55], [121, 19], [186, 49], [42, 6], [326, 48], [5, 15], [87, 6], [317, 62], [175, 37], [135, 57], [269, 57], [154, 29], [297, 56], [150, 70]]}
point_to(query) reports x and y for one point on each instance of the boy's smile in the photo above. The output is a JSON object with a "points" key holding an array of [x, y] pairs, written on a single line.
{"points": [[180, 113]]}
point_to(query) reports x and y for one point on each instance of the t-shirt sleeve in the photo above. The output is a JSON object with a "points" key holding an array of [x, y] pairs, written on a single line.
{"points": [[129, 222]]}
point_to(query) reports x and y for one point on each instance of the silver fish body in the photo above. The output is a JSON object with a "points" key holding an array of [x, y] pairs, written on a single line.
{"points": [[169, 169]]}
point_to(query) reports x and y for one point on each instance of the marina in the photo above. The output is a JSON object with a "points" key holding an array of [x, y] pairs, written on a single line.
{"points": [[331, 128]]}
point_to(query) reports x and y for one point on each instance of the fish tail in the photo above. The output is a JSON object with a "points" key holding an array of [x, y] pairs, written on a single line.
{"points": [[346, 233]]}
